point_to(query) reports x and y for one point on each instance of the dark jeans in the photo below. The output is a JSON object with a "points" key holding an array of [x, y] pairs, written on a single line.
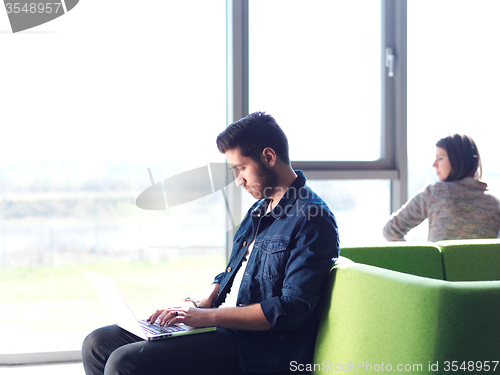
{"points": [[114, 351]]}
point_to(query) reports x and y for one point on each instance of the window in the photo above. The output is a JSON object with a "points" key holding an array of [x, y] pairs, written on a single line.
{"points": [[96, 98], [453, 81], [90, 101], [359, 206], [320, 68], [315, 66]]}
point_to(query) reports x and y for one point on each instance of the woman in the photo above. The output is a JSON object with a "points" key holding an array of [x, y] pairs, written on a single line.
{"points": [[459, 205]]}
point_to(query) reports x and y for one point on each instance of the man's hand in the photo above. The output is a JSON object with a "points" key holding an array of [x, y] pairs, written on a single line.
{"points": [[244, 318], [184, 313]]}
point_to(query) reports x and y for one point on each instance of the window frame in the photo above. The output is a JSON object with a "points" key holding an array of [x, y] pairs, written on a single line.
{"points": [[393, 164]]}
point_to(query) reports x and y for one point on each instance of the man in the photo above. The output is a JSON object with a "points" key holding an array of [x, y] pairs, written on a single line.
{"points": [[264, 304]]}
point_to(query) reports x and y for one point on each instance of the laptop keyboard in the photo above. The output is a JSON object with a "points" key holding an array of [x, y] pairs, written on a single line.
{"points": [[157, 329]]}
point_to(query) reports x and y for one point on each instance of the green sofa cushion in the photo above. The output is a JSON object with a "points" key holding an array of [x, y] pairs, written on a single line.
{"points": [[420, 259], [471, 260], [468, 327], [373, 318]]}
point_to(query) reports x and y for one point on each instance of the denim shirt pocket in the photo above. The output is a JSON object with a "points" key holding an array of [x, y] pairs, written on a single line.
{"points": [[274, 256]]}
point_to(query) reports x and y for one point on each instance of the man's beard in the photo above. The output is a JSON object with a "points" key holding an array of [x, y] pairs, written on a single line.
{"points": [[269, 180]]}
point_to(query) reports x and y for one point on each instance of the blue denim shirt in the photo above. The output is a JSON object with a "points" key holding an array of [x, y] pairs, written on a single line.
{"points": [[295, 247]]}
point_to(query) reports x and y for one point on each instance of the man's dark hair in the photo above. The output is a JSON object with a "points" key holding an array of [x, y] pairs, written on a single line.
{"points": [[252, 134], [463, 155]]}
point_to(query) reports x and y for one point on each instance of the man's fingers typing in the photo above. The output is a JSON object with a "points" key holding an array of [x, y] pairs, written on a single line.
{"points": [[155, 315]]}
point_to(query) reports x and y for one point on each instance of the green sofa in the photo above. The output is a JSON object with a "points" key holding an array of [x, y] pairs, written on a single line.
{"points": [[378, 316]]}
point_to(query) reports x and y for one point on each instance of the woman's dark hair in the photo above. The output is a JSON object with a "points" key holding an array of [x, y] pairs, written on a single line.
{"points": [[463, 155], [252, 134]]}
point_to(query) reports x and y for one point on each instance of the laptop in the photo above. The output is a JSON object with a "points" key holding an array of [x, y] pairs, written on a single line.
{"points": [[116, 305]]}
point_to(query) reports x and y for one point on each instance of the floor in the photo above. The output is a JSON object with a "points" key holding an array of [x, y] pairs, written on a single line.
{"points": [[57, 369]]}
